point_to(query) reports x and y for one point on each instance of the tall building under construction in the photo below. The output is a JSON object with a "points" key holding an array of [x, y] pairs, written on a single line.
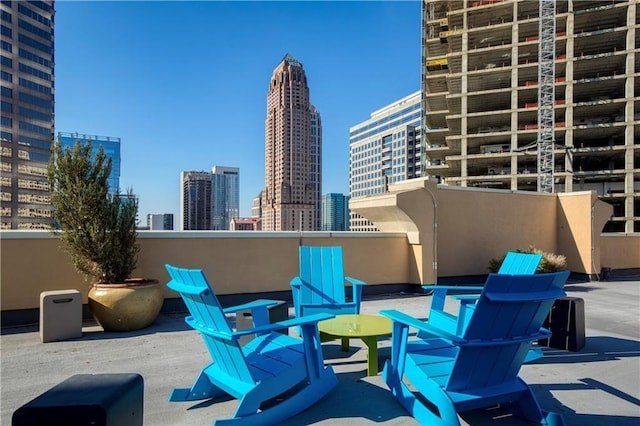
{"points": [[480, 97]]}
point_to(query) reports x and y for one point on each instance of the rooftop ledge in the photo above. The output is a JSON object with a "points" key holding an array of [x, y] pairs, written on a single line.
{"points": [[144, 234]]}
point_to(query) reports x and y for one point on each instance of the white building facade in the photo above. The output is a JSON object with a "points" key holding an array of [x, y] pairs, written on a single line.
{"points": [[384, 149]]}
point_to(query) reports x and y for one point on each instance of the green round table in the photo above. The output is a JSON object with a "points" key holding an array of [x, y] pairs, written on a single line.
{"points": [[365, 327]]}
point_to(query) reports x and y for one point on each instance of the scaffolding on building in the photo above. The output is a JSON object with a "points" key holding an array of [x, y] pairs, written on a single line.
{"points": [[546, 94]]}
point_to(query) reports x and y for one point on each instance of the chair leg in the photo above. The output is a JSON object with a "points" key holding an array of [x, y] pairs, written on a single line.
{"points": [[202, 388], [526, 406], [554, 419], [248, 405], [448, 415], [289, 407], [533, 355]]}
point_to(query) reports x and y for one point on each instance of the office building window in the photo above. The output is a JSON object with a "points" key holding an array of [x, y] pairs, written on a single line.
{"points": [[5, 45], [34, 30], [33, 57]]}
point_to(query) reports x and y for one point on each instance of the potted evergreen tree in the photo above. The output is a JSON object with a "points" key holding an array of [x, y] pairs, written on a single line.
{"points": [[98, 229]]}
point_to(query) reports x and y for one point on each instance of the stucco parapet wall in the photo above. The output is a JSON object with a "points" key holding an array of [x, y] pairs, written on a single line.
{"points": [[266, 234], [451, 223], [26, 235], [401, 209], [621, 251], [30, 234], [241, 262]]}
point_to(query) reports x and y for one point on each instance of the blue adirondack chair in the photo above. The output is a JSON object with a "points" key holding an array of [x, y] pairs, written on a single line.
{"points": [[514, 264], [320, 287], [479, 368], [266, 367]]}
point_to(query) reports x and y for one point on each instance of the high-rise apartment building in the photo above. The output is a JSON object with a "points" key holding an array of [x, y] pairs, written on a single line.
{"points": [[110, 145], [480, 82], [195, 200], [293, 140], [27, 82], [210, 200], [316, 162], [225, 184], [256, 206], [384, 149], [160, 222], [335, 212]]}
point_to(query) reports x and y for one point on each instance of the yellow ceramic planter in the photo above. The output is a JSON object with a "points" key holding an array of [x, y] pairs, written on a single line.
{"points": [[132, 305]]}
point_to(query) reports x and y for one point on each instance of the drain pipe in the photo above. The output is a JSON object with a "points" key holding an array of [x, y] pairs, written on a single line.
{"points": [[593, 259], [435, 234]]}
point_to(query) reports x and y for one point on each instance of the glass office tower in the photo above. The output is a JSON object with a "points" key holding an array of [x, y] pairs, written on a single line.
{"points": [[111, 147], [225, 184], [27, 82], [335, 212]]}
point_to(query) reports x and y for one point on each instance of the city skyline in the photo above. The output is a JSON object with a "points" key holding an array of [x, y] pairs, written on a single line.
{"points": [[182, 100]]}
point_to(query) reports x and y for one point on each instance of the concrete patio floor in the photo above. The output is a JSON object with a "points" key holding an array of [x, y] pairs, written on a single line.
{"points": [[598, 385]]}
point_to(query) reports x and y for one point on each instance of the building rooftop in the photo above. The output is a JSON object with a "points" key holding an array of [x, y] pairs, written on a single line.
{"points": [[596, 385], [293, 61]]}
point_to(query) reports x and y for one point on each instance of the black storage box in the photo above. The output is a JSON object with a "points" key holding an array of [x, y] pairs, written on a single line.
{"points": [[87, 399], [566, 323]]}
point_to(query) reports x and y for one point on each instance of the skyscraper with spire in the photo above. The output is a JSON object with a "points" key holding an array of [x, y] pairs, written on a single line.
{"points": [[293, 165]]}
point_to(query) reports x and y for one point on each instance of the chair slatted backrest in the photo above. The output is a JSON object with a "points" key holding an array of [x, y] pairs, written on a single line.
{"points": [[206, 313], [506, 320], [520, 263], [322, 275]]}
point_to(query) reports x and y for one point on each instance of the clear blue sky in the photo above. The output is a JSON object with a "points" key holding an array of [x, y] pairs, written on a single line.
{"points": [[184, 84]]}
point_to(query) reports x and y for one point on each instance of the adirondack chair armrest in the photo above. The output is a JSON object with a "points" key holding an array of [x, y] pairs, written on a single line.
{"points": [[356, 286], [296, 294], [453, 287], [187, 289], [355, 281], [410, 321], [250, 305], [307, 319], [296, 282], [466, 298], [545, 332], [293, 322], [202, 328]]}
